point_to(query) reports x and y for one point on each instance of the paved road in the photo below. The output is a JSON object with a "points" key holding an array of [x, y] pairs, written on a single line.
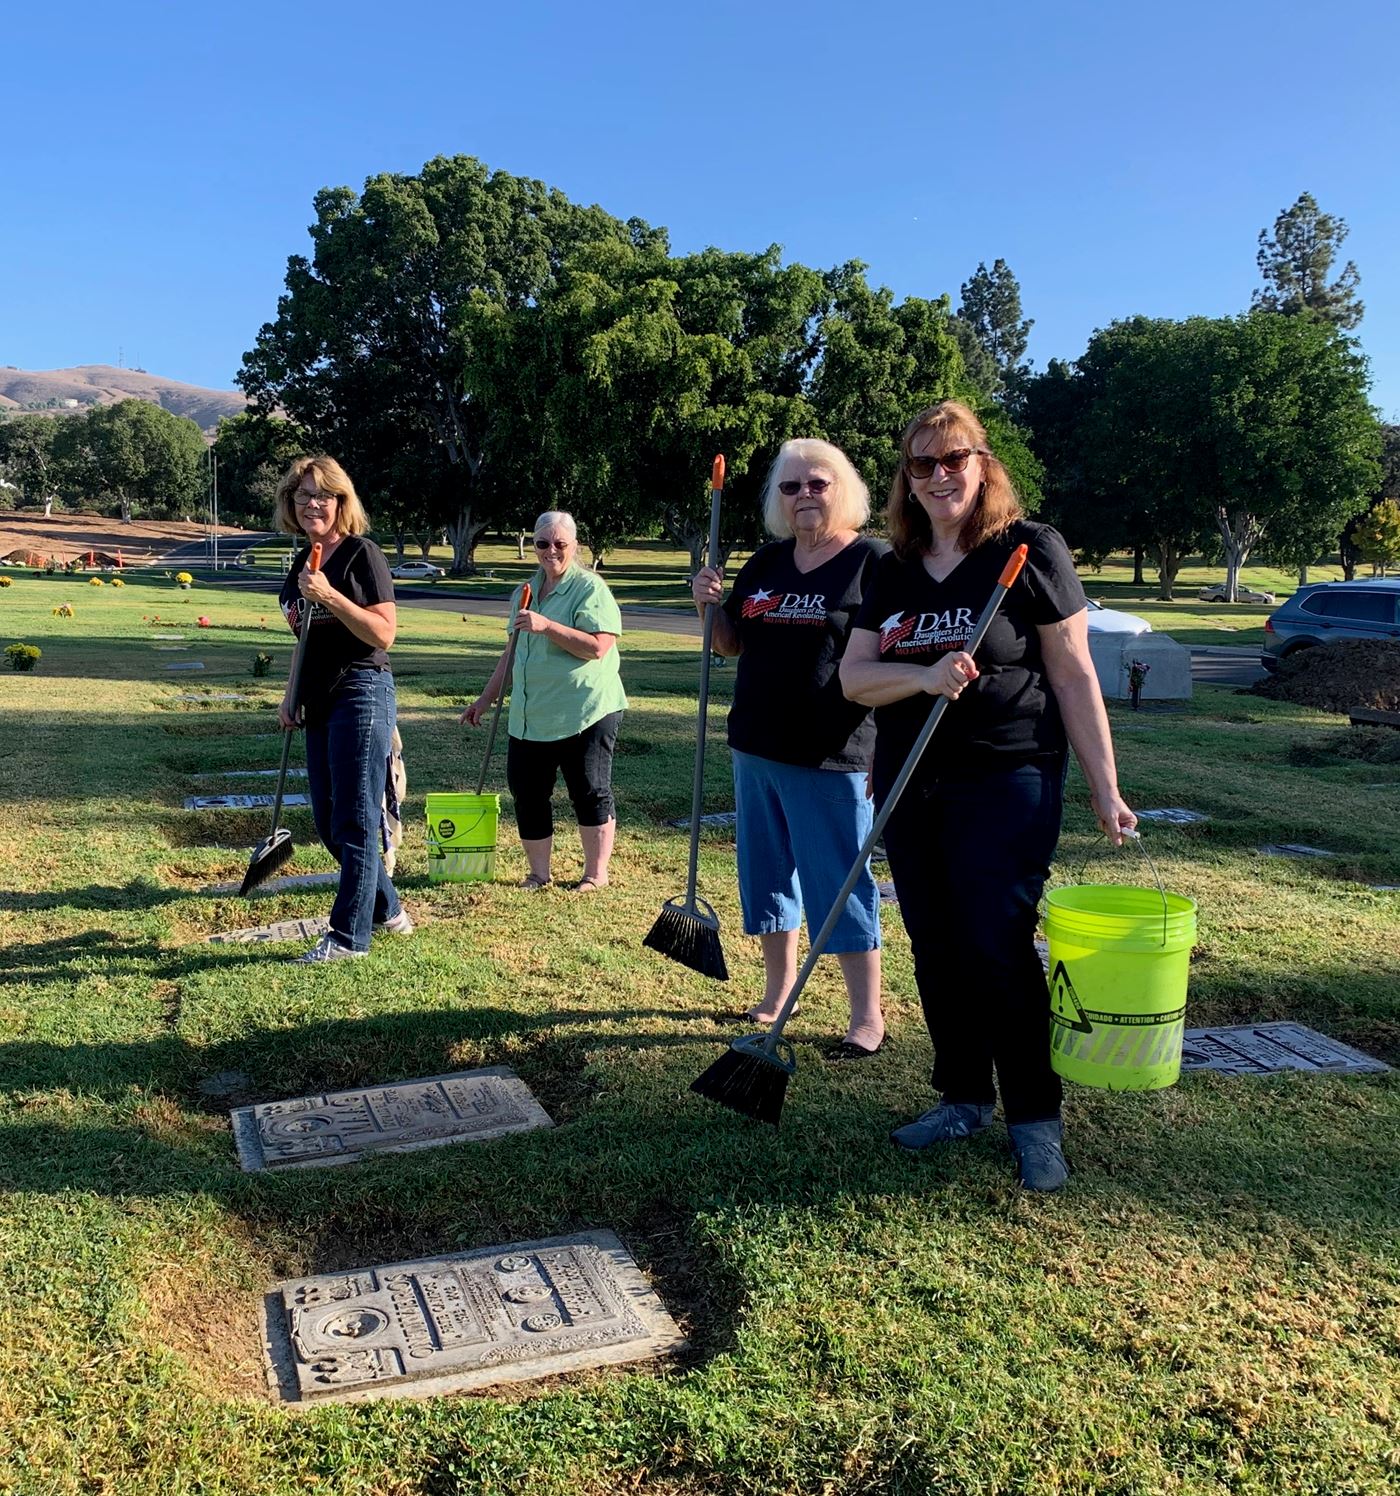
{"points": [[197, 552]]}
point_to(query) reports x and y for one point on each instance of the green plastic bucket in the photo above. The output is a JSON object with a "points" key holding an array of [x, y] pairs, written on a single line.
{"points": [[462, 837], [1119, 958]]}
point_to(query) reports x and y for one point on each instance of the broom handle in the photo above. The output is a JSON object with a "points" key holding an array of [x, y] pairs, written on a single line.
{"points": [[313, 563], [698, 788], [1009, 574], [501, 694]]}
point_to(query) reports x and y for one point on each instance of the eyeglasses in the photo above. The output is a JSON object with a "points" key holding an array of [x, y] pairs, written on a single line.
{"points": [[951, 462], [303, 499], [552, 545], [815, 486]]}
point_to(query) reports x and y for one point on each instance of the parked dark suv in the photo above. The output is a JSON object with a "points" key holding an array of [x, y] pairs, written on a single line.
{"points": [[1332, 610]]}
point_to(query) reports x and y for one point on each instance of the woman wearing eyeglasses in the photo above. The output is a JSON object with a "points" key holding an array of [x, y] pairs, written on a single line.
{"points": [[971, 839], [346, 694], [800, 750], [566, 704]]}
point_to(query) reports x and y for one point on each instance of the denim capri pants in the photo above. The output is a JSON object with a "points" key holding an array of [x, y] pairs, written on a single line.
{"points": [[799, 831]]}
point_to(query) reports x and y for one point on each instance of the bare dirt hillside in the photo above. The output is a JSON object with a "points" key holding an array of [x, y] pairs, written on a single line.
{"points": [[69, 537], [101, 384]]}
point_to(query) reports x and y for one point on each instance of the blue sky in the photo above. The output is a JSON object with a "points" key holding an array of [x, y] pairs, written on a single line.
{"points": [[160, 160]]}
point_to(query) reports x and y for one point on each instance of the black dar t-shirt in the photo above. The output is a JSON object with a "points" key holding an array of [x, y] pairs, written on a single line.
{"points": [[1008, 716], [357, 568], [793, 627]]}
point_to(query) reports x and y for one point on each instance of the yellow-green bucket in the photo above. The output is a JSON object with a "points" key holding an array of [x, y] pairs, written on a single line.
{"points": [[1119, 958], [462, 837]]}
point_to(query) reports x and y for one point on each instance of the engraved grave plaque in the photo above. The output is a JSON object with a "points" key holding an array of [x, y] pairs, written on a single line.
{"points": [[186, 665], [287, 929], [471, 1106], [279, 885], [502, 1314], [217, 696], [1174, 816], [1293, 849], [240, 802], [1267, 1048]]}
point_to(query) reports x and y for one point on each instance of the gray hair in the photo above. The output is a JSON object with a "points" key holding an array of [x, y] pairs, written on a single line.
{"points": [[558, 519], [851, 508]]}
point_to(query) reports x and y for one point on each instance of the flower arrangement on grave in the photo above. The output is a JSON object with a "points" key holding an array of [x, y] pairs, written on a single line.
{"points": [[64, 610], [262, 663], [23, 656], [7, 581], [117, 582], [1138, 671], [96, 582], [203, 622], [185, 580]]}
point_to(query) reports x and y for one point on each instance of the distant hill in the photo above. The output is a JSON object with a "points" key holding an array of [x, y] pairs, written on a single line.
{"points": [[100, 384]]}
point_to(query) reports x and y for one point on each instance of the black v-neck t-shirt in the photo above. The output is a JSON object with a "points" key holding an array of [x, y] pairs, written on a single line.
{"points": [[793, 627], [1008, 717], [357, 568]]}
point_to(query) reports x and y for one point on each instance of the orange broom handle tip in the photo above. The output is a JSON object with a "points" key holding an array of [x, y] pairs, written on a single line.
{"points": [[525, 596], [717, 472], [313, 562], [1014, 563]]}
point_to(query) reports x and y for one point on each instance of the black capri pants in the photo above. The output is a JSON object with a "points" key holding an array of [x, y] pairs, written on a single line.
{"points": [[585, 760]]}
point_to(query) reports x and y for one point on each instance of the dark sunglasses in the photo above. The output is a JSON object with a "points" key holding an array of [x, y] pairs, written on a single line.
{"points": [[551, 545], [951, 462], [792, 487]]}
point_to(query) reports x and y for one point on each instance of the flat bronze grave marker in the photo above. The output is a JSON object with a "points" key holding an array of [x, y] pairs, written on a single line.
{"points": [[458, 1323], [240, 802], [716, 818], [185, 665], [1293, 849], [249, 774], [279, 885], [287, 929], [1267, 1048], [222, 696], [1173, 816], [345, 1126]]}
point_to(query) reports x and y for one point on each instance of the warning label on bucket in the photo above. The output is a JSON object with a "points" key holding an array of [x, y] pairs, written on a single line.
{"points": [[1065, 1007]]}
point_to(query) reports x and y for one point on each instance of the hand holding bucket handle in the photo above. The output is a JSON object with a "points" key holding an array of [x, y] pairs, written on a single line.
{"points": [[501, 694]]}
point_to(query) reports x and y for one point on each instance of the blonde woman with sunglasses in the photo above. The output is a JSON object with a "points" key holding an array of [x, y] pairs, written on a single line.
{"points": [[971, 838], [566, 704], [800, 751]]}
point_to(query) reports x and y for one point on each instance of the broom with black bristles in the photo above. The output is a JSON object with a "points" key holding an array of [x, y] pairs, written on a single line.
{"points": [[687, 930], [751, 1076], [275, 849]]}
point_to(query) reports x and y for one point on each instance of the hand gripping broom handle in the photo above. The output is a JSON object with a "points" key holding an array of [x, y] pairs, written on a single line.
{"points": [[313, 563], [1010, 572], [501, 694], [697, 789]]}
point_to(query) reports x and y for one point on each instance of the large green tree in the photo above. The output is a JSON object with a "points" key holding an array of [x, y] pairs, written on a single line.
{"points": [[134, 454], [253, 451], [27, 456], [991, 307], [372, 351], [1296, 260]]}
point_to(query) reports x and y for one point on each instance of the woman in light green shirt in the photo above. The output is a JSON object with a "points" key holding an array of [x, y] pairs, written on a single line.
{"points": [[566, 704]]}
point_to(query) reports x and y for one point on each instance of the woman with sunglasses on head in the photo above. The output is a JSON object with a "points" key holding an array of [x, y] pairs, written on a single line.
{"points": [[800, 750], [566, 704], [346, 694], [971, 838]]}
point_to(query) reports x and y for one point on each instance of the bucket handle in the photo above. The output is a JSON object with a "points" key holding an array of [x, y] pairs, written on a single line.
{"points": [[1135, 837]]}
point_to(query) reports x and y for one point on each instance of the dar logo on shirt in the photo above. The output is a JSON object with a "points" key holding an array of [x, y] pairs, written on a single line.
{"points": [[785, 607], [950, 629]]}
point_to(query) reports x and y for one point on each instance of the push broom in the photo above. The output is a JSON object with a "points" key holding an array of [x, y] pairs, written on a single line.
{"points": [[687, 930], [752, 1075], [275, 849]]}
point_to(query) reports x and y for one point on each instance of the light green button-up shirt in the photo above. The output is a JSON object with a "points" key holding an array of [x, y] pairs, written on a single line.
{"points": [[552, 693]]}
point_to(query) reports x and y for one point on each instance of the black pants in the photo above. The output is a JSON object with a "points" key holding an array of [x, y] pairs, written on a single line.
{"points": [[585, 760], [969, 859]]}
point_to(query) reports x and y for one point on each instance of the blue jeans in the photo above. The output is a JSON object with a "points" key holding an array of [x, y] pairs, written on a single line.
{"points": [[347, 756], [970, 857], [798, 832]]}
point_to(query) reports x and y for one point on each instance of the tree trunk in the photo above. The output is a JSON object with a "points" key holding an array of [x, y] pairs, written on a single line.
{"points": [[596, 553], [125, 508], [400, 542], [1348, 555], [1302, 576], [1169, 560], [425, 546], [1137, 566], [1240, 532], [463, 532], [520, 538]]}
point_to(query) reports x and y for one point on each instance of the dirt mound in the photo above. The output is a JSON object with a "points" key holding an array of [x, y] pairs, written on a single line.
{"points": [[1350, 675], [70, 537]]}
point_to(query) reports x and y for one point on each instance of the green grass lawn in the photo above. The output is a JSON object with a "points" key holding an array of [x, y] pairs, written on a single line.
{"points": [[1211, 1305]]}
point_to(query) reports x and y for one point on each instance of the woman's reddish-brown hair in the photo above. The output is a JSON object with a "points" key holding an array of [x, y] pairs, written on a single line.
{"points": [[997, 504]]}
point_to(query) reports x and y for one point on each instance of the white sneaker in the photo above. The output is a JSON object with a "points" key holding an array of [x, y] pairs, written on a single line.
{"points": [[399, 925], [327, 948]]}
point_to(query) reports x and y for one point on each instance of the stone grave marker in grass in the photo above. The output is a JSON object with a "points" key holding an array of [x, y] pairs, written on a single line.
{"points": [[279, 885], [222, 696], [717, 818], [1173, 817], [342, 1128], [240, 802], [1292, 849], [249, 774], [185, 665], [287, 929], [1266, 1048], [462, 1322]]}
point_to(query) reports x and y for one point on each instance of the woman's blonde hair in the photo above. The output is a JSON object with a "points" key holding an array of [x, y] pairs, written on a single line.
{"points": [[851, 503], [350, 516], [997, 505]]}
